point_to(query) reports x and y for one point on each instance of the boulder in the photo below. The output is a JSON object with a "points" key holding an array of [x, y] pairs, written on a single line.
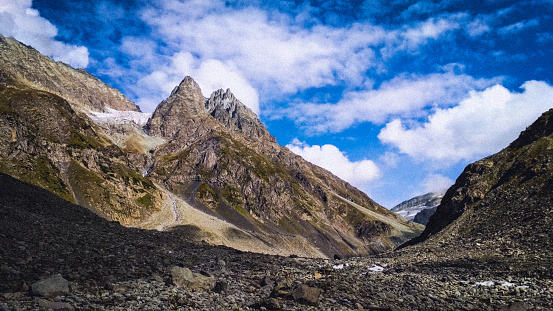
{"points": [[307, 295], [195, 281], [52, 286]]}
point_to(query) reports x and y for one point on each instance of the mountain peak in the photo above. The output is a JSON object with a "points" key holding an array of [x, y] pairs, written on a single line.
{"points": [[234, 115], [188, 87], [176, 113]]}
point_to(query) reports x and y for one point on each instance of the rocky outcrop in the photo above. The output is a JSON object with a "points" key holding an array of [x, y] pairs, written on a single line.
{"points": [[231, 113], [500, 205]]}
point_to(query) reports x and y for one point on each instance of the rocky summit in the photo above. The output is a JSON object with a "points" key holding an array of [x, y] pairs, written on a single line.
{"points": [[205, 167]]}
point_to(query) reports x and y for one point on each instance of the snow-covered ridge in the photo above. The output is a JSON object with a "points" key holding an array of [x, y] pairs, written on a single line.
{"points": [[410, 208], [139, 118]]}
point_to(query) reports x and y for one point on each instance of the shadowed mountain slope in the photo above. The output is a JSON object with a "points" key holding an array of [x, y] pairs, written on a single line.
{"points": [[501, 205]]}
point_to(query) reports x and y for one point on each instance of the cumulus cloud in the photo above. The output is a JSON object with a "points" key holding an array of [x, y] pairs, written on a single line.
{"points": [[482, 124], [167, 72], [270, 49], [21, 21], [331, 158], [265, 54], [405, 95], [436, 183]]}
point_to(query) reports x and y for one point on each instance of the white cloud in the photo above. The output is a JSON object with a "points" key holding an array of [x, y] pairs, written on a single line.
{"points": [[210, 74], [411, 37], [436, 183], [265, 55], [21, 21], [405, 95], [477, 27], [519, 26], [480, 125], [270, 49], [357, 173], [391, 159]]}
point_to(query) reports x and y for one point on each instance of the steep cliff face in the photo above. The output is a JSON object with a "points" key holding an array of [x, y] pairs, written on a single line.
{"points": [[500, 200], [222, 159]]}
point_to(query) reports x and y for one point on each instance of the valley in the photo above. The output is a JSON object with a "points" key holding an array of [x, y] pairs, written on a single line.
{"points": [[197, 207]]}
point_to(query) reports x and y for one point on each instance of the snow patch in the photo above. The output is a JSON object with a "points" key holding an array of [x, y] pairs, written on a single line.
{"points": [[499, 283], [226, 103], [340, 266], [376, 269], [485, 283], [112, 115]]}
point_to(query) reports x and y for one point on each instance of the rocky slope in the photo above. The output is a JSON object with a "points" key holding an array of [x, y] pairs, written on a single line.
{"points": [[26, 65], [500, 206], [84, 262], [45, 139], [221, 159], [205, 167], [420, 208]]}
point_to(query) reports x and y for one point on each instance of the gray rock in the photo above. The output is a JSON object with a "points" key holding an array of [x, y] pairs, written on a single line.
{"points": [[221, 287], [307, 295], [52, 286], [56, 305], [196, 281], [516, 306]]}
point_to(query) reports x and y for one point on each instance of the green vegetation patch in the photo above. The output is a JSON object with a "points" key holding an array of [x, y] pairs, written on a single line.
{"points": [[80, 141], [146, 201], [133, 177], [205, 193], [256, 163], [179, 155], [233, 196]]}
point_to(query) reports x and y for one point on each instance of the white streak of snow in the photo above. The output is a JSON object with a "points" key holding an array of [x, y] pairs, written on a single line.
{"points": [[376, 269], [139, 118]]}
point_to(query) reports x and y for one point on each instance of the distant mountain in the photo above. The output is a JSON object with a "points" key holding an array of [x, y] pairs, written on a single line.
{"points": [[501, 205], [420, 208], [204, 167]]}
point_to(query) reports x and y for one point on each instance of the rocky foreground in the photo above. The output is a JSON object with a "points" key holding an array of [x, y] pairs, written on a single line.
{"points": [[56, 255]]}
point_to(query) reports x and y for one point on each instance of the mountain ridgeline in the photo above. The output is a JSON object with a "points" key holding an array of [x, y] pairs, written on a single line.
{"points": [[204, 167], [500, 206]]}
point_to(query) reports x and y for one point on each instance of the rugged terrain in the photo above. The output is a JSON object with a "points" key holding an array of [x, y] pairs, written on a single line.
{"points": [[501, 206], [108, 266], [204, 167], [420, 208]]}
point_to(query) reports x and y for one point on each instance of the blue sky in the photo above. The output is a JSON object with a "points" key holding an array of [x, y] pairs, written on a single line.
{"points": [[396, 97]]}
